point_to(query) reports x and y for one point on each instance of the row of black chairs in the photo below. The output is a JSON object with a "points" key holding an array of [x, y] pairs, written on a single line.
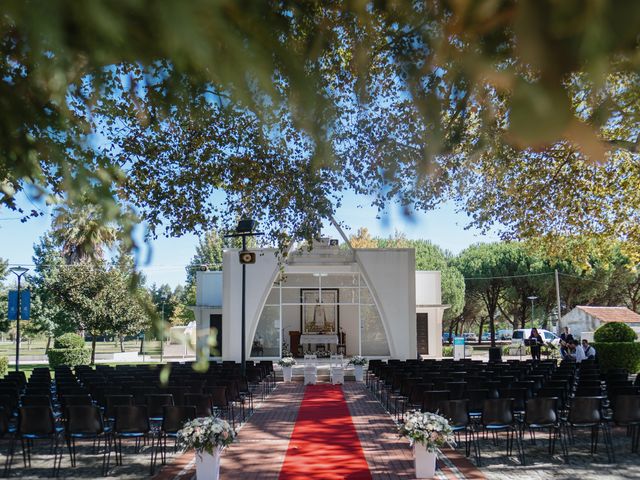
{"points": [[109, 405], [512, 397]]}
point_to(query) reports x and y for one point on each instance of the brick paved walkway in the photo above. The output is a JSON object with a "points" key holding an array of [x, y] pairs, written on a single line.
{"points": [[262, 442], [260, 448]]}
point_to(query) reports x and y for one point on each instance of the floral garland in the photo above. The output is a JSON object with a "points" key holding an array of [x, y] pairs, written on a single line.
{"points": [[428, 429]]}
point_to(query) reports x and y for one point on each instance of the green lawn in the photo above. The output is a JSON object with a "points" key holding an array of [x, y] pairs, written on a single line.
{"points": [[37, 347]]}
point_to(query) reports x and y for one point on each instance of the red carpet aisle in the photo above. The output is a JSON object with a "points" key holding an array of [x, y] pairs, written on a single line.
{"points": [[324, 444]]}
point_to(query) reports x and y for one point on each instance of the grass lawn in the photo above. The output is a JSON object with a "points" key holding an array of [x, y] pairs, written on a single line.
{"points": [[37, 347]]}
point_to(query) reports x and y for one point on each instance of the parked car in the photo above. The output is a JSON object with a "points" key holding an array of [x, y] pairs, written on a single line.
{"points": [[470, 337], [486, 336], [446, 338], [522, 334], [504, 334]]}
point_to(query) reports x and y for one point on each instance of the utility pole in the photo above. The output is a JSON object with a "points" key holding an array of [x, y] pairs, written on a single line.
{"points": [[558, 302]]}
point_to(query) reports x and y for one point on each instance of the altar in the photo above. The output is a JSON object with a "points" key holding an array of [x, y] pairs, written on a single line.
{"points": [[322, 341]]}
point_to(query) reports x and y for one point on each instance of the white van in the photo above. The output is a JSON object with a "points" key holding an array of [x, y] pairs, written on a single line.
{"points": [[522, 334]]}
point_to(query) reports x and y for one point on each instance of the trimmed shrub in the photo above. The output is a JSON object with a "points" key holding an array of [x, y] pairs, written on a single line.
{"points": [[618, 355], [447, 351], [69, 340], [4, 366], [614, 332], [68, 356]]}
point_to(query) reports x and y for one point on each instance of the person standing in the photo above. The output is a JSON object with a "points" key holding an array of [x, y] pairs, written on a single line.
{"points": [[535, 343], [589, 351]]}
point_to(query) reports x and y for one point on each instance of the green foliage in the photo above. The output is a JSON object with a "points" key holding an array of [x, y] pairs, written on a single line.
{"points": [[618, 355], [613, 332], [68, 356], [447, 351], [69, 341], [4, 366], [550, 88]]}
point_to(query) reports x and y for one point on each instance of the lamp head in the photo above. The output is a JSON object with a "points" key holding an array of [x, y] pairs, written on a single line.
{"points": [[19, 270], [246, 226]]}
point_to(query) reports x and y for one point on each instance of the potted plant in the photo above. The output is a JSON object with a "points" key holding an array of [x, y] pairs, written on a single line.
{"points": [[358, 363], [208, 436], [287, 364], [426, 432]]}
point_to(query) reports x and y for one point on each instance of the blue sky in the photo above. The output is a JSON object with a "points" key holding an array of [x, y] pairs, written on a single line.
{"points": [[169, 256]]}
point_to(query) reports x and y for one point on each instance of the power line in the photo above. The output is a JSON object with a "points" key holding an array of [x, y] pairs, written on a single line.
{"points": [[510, 276], [582, 278]]}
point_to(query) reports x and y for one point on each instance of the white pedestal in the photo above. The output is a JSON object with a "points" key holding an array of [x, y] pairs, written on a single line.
{"points": [[207, 465], [358, 370], [287, 372], [310, 374], [425, 461]]}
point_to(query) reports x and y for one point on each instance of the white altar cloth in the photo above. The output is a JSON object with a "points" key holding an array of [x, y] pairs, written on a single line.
{"points": [[318, 339]]}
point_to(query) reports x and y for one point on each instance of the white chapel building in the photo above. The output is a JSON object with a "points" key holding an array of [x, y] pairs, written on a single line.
{"points": [[369, 302]]}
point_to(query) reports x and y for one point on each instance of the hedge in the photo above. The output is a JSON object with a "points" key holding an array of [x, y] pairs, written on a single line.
{"points": [[618, 355], [4, 366], [68, 356], [614, 332], [69, 340], [447, 351]]}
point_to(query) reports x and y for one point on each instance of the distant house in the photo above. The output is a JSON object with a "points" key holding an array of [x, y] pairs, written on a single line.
{"points": [[584, 319]]}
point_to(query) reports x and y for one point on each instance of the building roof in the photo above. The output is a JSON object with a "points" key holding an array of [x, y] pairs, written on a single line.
{"points": [[611, 314]]}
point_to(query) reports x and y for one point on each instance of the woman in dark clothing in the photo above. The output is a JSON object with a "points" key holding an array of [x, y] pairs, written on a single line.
{"points": [[535, 342]]}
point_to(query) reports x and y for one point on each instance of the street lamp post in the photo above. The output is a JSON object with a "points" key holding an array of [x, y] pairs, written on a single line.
{"points": [[533, 299], [19, 272], [162, 335], [244, 229]]}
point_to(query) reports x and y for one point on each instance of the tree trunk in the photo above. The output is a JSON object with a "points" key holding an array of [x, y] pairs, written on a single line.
{"points": [[93, 349], [480, 330], [121, 343], [46, 348]]}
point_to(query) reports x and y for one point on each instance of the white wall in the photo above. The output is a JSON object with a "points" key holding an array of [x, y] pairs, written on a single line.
{"points": [[259, 278], [428, 288], [392, 281], [579, 321], [209, 289]]}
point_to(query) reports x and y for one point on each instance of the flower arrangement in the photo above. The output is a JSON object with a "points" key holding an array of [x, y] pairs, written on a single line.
{"points": [[287, 362], [205, 434], [429, 429], [357, 360]]}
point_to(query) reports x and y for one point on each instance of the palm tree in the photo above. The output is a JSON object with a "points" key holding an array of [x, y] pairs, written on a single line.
{"points": [[81, 232]]}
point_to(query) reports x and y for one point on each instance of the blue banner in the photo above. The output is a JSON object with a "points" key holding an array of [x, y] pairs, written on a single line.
{"points": [[13, 305], [458, 340], [25, 305]]}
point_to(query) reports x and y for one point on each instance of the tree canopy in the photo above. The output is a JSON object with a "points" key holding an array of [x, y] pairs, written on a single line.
{"points": [[193, 113]]}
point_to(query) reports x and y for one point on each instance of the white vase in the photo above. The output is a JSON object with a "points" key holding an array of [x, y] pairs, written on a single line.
{"points": [[425, 461], [358, 371], [287, 372], [208, 465]]}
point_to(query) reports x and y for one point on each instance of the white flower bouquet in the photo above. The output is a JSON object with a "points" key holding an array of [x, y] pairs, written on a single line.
{"points": [[287, 362], [357, 360], [205, 434], [429, 429]]}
